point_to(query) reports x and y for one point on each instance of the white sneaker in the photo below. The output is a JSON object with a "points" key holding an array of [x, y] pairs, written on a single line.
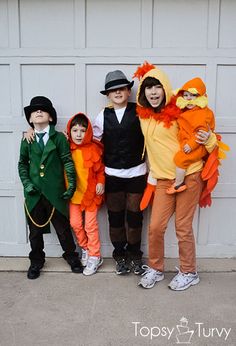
{"points": [[92, 265], [84, 257], [182, 281], [150, 277]]}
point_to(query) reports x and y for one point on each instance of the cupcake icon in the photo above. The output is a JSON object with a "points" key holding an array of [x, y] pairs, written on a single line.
{"points": [[184, 335]]}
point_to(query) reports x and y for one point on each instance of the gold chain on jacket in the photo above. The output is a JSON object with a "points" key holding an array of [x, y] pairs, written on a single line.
{"points": [[36, 224]]}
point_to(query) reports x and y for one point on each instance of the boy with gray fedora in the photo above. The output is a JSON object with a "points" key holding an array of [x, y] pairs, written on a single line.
{"points": [[118, 127]]}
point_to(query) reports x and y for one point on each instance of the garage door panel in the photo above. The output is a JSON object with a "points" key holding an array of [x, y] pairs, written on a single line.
{"points": [[46, 24], [181, 73], [9, 229], [176, 23], [4, 38], [225, 91], [7, 163], [55, 81], [5, 108], [228, 168], [113, 24], [227, 24], [218, 222]]}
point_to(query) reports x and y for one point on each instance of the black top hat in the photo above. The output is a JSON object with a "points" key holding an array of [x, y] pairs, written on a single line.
{"points": [[42, 103], [115, 80]]}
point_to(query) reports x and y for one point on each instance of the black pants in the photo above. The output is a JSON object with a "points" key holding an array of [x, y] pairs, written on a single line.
{"points": [[123, 196], [40, 215]]}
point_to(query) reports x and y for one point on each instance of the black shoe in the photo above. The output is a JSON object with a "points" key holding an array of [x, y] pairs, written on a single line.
{"points": [[33, 272], [75, 264], [121, 267], [136, 265]]}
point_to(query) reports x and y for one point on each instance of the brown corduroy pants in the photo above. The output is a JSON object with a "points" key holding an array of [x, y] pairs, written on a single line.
{"points": [[183, 204]]}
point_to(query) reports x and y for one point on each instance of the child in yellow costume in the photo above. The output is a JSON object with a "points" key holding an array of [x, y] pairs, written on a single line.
{"points": [[192, 99], [88, 196]]}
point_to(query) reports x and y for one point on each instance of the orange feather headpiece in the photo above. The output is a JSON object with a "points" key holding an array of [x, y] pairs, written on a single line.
{"points": [[142, 70]]}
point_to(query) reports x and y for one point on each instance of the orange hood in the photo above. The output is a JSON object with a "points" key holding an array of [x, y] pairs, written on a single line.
{"points": [[194, 86], [88, 138]]}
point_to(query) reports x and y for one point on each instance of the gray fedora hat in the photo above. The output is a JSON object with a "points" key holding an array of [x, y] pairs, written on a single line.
{"points": [[114, 80]]}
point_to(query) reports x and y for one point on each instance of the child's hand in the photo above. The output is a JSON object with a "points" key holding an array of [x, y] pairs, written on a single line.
{"points": [[65, 134], [99, 189], [31, 189], [29, 135], [68, 194], [187, 149]]}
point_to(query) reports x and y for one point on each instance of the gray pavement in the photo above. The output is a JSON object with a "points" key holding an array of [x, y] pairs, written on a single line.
{"points": [[65, 309]]}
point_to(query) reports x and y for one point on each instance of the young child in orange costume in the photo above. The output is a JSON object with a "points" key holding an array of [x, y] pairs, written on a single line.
{"points": [[86, 154], [192, 99]]}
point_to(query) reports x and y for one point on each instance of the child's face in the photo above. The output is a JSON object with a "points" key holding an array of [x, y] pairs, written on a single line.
{"points": [[119, 97], [155, 95], [189, 96], [40, 118], [77, 133]]}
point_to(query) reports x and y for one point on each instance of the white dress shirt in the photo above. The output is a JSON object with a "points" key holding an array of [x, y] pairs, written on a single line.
{"points": [[45, 137]]}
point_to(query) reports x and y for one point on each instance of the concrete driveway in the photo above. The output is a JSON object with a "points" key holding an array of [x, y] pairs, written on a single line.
{"points": [[65, 309]]}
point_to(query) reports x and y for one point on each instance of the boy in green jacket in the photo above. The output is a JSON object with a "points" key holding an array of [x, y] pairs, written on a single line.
{"points": [[41, 169]]}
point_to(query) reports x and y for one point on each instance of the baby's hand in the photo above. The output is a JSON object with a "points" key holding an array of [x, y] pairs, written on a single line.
{"points": [[29, 135], [99, 189], [187, 149]]}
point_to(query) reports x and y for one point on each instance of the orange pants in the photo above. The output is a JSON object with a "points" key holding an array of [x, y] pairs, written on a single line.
{"points": [[86, 231], [164, 206]]}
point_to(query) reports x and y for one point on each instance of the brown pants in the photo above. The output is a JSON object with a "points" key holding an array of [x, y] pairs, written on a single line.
{"points": [[123, 196], [164, 206]]}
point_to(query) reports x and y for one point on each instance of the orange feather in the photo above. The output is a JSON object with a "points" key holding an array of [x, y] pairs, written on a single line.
{"points": [[211, 163], [211, 183], [214, 167], [142, 70], [147, 196]]}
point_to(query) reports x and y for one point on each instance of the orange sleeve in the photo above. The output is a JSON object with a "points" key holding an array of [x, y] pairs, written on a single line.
{"points": [[98, 167], [100, 173], [192, 142]]}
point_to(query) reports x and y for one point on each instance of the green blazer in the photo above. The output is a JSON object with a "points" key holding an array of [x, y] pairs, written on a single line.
{"points": [[43, 173]]}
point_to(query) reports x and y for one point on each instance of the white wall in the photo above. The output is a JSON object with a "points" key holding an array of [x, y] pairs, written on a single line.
{"points": [[63, 49]]}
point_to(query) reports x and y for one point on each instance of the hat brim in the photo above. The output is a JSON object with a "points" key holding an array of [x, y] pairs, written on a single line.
{"points": [[129, 85], [32, 108]]}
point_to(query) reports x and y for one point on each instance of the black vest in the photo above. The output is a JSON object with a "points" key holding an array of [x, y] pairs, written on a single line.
{"points": [[123, 142]]}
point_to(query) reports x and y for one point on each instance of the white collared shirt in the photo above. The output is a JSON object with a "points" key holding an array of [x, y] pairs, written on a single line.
{"points": [[45, 137]]}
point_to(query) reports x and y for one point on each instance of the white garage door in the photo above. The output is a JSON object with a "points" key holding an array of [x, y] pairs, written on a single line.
{"points": [[63, 49]]}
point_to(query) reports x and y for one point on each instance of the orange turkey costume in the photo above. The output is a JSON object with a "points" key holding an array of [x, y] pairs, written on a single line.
{"points": [[89, 168], [87, 158], [192, 120]]}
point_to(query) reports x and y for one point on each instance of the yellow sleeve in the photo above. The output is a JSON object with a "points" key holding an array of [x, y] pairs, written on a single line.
{"points": [[211, 142]]}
